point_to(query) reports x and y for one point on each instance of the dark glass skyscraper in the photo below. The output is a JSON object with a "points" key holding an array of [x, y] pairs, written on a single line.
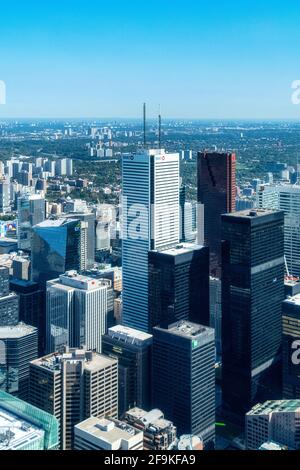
{"points": [[252, 295], [55, 248], [217, 192], [90, 220], [18, 346], [179, 285], [30, 305], [133, 349], [183, 370]]}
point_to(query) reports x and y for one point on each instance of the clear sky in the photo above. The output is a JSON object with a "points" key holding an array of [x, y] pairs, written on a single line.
{"points": [[197, 58]]}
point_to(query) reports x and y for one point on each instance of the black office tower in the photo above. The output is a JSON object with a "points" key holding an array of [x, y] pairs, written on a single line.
{"points": [[183, 385], [216, 193], [18, 346], [30, 305], [90, 220], [179, 285], [252, 295], [133, 349]]}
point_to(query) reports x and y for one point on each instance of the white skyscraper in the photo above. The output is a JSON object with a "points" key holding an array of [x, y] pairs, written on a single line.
{"points": [[285, 197], [4, 196], [76, 312], [150, 221]]}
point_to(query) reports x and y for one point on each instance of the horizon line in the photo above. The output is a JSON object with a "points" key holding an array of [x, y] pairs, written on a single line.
{"points": [[138, 118]]}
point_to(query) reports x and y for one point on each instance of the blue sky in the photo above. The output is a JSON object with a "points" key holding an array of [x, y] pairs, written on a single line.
{"points": [[198, 59]]}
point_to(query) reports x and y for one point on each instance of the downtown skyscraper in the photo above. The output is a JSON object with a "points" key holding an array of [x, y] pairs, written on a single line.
{"points": [[285, 197], [179, 285], [76, 312], [74, 386], [216, 196], [252, 296], [31, 211], [150, 221], [183, 371]]}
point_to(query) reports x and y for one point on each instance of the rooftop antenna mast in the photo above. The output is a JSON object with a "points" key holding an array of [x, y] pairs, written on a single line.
{"points": [[159, 128], [144, 123]]}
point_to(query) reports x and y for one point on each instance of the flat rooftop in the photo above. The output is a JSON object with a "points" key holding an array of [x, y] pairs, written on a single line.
{"points": [[295, 300], [73, 280], [188, 329], [92, 361], [18, 331], [128, 334], [54, 223], [8, 241], [153, 417], [16, 432], [181, 249], [275, 406], [112, 431], [252, 213], [272, 446]]}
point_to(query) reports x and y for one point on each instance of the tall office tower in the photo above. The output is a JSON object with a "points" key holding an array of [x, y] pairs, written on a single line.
{"points": [[88, 237], [215, 310], [182, 202], [9, 309], [21, 267], [30, 305], [76, 309], [24, 178], [150, 222], [16, 167], [118, 310], [107, 434], [31, 211], [25, 427], [69, 167], [18, 346], [49, 166], [290, 345], [4, 196], [183, 384], [179, 285], [132, 348], [27, 166], [291, 287], [159, 433], [188, 217], [277, 421], [74, 386], [286, 198], [4, 281], [84, 264], [55, 248], [252, 295], [186, 155], [217, 192], [61, 167]]}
